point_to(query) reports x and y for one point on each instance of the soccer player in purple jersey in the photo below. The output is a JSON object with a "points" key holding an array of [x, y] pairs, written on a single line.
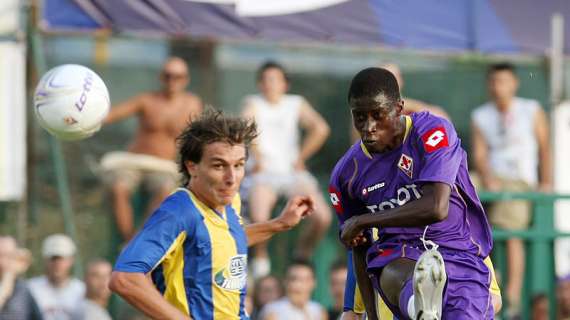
{"points": [[408, 178]]}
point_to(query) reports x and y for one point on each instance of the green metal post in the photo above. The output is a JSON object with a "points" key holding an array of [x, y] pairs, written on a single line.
{"points": [[56, 152]]}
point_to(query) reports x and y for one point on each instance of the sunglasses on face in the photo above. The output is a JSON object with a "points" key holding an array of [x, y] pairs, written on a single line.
{"points": [[173, 76]]}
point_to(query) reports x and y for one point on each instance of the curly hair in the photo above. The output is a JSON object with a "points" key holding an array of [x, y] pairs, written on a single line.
{"points": [[212, 126]]}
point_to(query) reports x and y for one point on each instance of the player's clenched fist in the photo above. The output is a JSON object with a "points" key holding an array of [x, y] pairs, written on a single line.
{"points": [[296, 209]]}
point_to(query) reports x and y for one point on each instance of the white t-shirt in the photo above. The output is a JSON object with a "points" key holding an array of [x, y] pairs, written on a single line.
{"points": [[278, 127], [57, 303], [285, 310], [89, 310], [513, 147]]}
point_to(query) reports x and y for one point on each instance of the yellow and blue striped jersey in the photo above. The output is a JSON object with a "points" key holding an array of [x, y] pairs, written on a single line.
{"points": [[197, 257]]}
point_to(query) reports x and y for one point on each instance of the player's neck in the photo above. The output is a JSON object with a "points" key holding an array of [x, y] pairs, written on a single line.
{"points": [[168, 95], [504, 105], [399, 135], [273, 99], [197, 192]]}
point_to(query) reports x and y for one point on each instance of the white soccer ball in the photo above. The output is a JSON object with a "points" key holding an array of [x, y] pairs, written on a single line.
{"points": [[71, 102]]}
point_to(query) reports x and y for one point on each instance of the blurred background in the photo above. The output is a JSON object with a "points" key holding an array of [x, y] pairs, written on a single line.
{"points": [[443, 49]]}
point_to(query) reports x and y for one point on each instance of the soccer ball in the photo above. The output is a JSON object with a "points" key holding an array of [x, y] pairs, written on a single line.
{"points": [[71, 102]]}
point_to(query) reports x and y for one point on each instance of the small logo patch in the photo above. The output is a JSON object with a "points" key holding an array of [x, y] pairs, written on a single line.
{"points": [[367, 190], [406, 164], [234, 276], [335, 200], [435, 139]]}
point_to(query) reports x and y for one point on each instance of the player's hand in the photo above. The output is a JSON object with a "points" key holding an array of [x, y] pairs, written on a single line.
{"points": [[296, 209], [300, 165], [351, 232]]}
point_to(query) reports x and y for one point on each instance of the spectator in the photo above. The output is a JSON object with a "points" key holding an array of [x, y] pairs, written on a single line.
{"points": [[94, 305], [151, 156], [280, 160], [297, 304], [16, 301], [413, 105], [510, 143], [57, 292], [267, 289], [540, 309], [563, 298], [337, 275]]}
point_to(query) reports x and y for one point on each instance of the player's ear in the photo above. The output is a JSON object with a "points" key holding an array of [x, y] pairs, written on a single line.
{"points": [[191, 167], [399, 106]]}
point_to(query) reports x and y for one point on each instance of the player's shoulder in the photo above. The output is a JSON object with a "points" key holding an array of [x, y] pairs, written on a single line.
{"points": [[425, 121], [178, 206], [526, 105], [432, 131]]}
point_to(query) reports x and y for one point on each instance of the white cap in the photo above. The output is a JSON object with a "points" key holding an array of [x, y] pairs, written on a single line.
{"points": [[58, 245]]}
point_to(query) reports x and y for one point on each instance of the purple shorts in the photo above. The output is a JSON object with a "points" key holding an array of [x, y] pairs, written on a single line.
{"points": [[466, 295]]}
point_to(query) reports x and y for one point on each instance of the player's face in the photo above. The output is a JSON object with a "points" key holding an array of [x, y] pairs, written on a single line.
{"points": [[174, 76], [300, 281], [273, 84], [97, 280], [217, 177], [378, 122], [337, 284], [59, 268], [503, 85]]}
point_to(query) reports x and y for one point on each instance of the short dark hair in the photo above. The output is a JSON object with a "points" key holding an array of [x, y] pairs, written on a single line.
{"points": [[271, 65], [338, 265], [212, 126], [299, 262], [537, 297], [370, 82], [502, 66]]}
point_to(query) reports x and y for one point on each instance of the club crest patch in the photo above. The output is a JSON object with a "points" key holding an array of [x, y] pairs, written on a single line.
{"points": [[406, 164]]}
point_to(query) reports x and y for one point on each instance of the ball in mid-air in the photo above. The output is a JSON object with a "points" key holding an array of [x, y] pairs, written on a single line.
{"points": [[71, 102]]}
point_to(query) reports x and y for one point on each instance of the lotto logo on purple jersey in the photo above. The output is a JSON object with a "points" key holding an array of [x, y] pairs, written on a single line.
{"points": [[335, 200], [435, 139]]}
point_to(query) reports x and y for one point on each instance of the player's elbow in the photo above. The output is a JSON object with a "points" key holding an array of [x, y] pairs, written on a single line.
{"points": [[120, 283], [439, 210]]}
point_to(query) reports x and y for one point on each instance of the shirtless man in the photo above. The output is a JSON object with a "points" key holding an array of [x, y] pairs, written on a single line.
{"points": [[150, 157]]}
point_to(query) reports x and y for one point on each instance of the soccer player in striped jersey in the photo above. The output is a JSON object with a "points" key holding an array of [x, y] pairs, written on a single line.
{"points": [[407, 177], [190, 259]]}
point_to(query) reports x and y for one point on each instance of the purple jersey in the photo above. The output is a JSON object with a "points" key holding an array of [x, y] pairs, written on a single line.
{"points": [[431, 152]]}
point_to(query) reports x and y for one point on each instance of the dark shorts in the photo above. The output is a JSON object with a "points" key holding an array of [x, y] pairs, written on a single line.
{"points": [[467, 292]]}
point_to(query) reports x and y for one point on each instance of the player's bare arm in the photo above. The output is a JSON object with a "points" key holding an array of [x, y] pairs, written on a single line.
{"points": [[480, 151], [430, 208], [125, 109], [296, 209], [139, 291], [317, 132], [364, 282], [248, 112]]}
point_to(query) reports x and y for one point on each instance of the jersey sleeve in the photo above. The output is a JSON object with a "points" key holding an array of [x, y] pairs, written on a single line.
{"points": [[160, 235], [441, 152]]}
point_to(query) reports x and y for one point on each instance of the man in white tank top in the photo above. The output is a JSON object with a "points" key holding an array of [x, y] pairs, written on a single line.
{"points": [[296, 304], [279, 158], [511, 153]]}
